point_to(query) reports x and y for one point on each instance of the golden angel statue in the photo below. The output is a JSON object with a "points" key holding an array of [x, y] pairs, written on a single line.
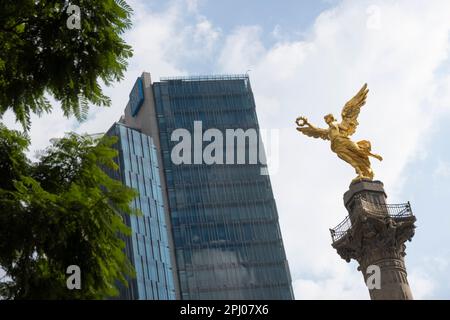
{"points": [[356, 154]]}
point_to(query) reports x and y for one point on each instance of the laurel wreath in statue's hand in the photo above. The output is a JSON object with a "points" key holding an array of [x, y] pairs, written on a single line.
{"points": [[301, 121]]}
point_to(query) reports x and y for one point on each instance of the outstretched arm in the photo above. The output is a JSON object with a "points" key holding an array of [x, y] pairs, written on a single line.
{"points": [[308, 129]]}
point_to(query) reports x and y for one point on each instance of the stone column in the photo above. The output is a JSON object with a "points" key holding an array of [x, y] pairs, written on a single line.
{"points": [[374, 234]]}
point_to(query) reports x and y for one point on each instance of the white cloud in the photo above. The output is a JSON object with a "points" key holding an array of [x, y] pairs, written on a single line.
{"points": [[442, 169], [422, 284], [193, 5], [242, 50], [277, 32], [343, 283], [204, 31], [43, 128], [428, 279], [398, 59]]}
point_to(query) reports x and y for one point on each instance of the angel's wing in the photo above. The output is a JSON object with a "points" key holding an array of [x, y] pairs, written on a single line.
{"points": [[351, 110], [314, 132]]}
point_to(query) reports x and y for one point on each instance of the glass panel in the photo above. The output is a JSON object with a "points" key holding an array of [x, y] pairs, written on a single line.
{"points": [[138, 156], [224, 218]]}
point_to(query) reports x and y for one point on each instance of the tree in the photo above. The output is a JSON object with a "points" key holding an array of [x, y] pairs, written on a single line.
{"points": [[41, 55], [60, 211]]}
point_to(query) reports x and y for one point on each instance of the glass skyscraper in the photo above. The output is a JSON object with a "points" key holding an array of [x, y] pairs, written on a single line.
{"points": [[221, 219], [147, 247]]}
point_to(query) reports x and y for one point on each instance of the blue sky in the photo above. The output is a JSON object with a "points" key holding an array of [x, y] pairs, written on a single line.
{"points": [[287, 19], [308, 58], [292, 15]]}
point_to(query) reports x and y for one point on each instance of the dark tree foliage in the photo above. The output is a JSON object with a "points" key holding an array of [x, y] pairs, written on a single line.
{"points": [[41, 56], [59, 211]]}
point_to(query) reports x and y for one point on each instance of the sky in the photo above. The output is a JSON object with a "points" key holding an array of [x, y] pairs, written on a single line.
{"points": [[308, 58]]}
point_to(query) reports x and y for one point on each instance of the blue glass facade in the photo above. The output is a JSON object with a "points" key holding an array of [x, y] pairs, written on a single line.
{"points": [[224, 219], [148, 246]]}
